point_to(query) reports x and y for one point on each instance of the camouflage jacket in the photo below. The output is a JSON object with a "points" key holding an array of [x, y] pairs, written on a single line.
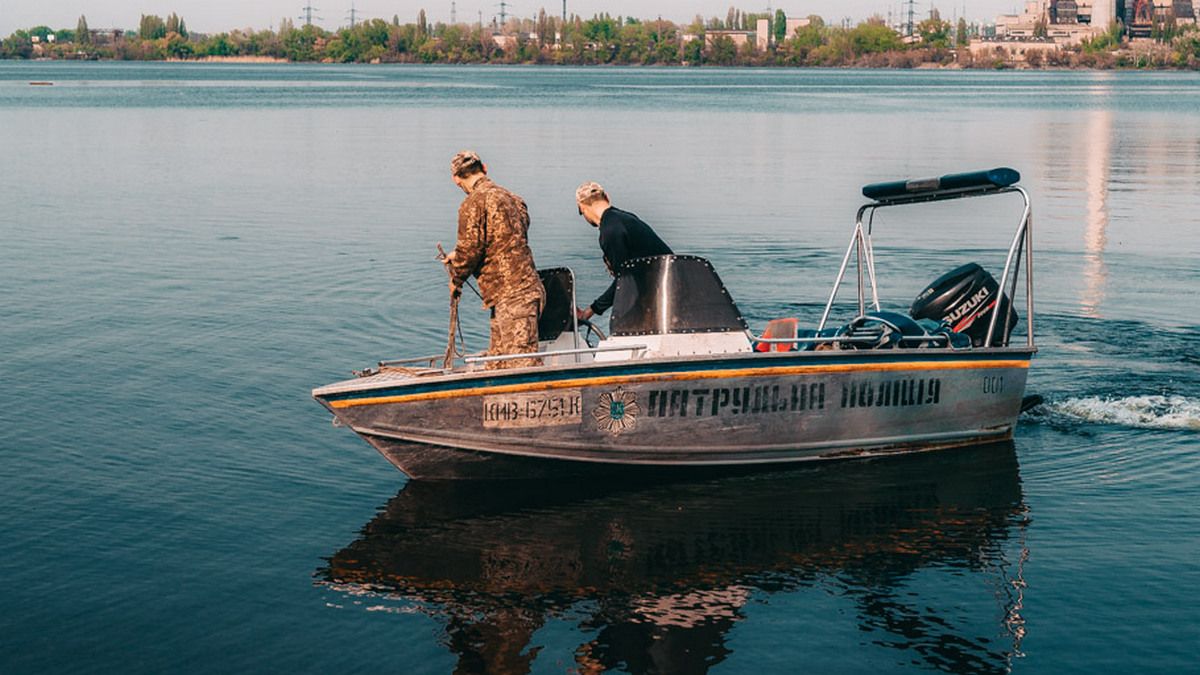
{"points": [[493, 245]]}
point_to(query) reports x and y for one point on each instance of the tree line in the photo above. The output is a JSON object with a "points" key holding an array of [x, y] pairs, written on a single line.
{"points": [[602, 39]]}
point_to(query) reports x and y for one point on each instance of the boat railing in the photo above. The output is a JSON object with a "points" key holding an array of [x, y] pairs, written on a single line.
{"points": [[392, 363], [953, 186], [841, 339], [557, 352], [431, 362], [418, 366]]}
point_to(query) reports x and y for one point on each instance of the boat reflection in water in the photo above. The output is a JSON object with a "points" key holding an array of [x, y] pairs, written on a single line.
{"points": [[656, 575]]}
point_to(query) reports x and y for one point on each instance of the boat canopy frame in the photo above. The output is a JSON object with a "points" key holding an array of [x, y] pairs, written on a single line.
{"points": [[989, 183]]}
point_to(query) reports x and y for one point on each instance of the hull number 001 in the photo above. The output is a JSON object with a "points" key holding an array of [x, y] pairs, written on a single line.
{"points": [[993, 384]]}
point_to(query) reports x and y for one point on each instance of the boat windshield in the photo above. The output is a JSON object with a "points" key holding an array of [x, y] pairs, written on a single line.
{"points": [[672, 294]]}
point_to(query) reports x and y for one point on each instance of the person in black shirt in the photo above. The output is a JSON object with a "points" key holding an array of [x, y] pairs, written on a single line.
{"points": [[623, 237]]}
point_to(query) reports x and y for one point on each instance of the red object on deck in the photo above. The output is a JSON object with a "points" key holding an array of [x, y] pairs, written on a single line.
{"points": [[779, 329]]}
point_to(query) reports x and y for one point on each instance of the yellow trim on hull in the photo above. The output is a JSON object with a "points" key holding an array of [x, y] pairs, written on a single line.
{"points": [[676, 377]]}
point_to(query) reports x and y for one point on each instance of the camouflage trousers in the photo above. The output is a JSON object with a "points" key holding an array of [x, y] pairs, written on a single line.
{"points": [[515, 331]]}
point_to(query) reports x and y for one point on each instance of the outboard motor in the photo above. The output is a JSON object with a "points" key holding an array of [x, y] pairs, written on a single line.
{"points": [[964, 298]]}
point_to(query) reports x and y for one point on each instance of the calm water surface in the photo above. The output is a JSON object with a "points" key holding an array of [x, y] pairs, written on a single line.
{"points": [[186, 250]]}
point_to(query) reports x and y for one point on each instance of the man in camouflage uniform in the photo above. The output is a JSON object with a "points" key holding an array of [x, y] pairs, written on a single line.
{"points": [[493, 245]]}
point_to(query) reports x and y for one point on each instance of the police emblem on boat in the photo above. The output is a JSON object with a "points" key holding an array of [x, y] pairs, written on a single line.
{"points": [[616, 412]]}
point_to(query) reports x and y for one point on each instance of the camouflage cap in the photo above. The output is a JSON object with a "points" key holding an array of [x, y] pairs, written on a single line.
{"points": [[466, 163], [589, 191]]}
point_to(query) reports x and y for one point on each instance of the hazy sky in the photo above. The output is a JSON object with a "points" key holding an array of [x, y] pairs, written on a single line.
{"points": [[220, 15]]}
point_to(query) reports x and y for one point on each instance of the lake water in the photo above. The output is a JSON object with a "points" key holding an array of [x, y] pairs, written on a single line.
{"points": [[186, 250]]}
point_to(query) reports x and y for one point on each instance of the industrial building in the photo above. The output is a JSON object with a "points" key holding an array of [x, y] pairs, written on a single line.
{"points": [[762, 36], [1070, 21]]}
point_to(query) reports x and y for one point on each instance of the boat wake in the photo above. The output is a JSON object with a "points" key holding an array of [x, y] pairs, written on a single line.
{"points": [[1142, 412]]}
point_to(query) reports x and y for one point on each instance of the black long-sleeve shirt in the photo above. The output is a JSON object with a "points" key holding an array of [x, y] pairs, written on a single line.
{"points": [[624, 237]]}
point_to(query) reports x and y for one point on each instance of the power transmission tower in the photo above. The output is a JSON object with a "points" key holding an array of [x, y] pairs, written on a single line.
{"points": [[911, 10], [564, 12], [353, 16], [453, 13], [308, 14], [503, 13]]}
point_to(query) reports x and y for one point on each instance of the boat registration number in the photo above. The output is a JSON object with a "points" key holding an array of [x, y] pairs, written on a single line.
{"points": [[538, 409]]}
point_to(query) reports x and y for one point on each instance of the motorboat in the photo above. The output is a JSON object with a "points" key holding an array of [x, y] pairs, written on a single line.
{"points": [[680, 380]]}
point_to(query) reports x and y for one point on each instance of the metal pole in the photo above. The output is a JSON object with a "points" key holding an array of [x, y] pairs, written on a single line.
{"points": [[859, 255], [1028, 273], [1008, 264], [840, 275], [574, 316], [871, 260], [1011, 293]]}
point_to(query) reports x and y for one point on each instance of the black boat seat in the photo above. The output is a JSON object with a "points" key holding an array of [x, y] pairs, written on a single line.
{"points": [[560, 303]]}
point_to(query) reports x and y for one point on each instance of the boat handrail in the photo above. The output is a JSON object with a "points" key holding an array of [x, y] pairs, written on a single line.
{"points": [[954, 186], [557, 352], [416, 359], [844, 338]]}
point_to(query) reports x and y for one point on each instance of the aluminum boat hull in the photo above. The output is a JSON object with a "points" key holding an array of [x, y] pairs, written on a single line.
{"points": [[727, 410]]}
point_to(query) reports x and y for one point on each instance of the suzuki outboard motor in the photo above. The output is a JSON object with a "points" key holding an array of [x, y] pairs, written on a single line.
{"points": [[964, 298]]}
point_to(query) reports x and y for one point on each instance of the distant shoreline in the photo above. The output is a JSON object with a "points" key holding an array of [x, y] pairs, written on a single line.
{"points": [[740, 40], [268, 60], [231, 59]]}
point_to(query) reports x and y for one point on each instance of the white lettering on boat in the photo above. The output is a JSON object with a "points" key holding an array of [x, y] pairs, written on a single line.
{"points": [[968, 306], [538, 409]]}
